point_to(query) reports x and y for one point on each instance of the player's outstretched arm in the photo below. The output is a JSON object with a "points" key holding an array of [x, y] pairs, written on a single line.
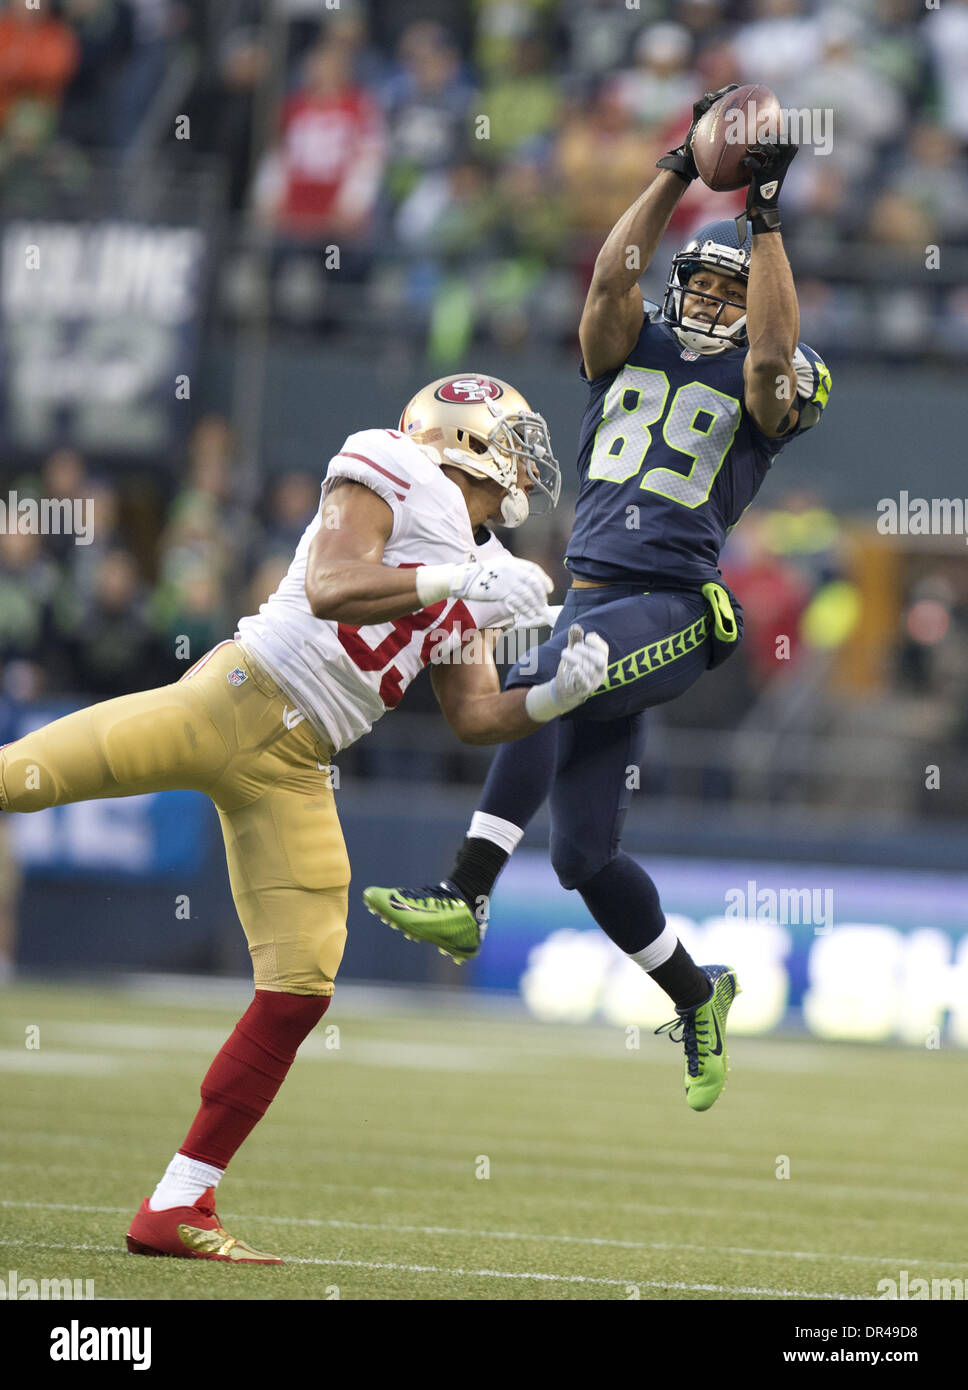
{"points": [[479, 711], [612, 318], [772, 311], [347, 582]]}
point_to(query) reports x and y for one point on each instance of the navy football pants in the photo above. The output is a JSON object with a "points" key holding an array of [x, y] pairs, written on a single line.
{"points": [[659, 644]]}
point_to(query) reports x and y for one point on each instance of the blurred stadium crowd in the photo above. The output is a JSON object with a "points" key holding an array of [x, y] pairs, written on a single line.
{"points": [[95, 618], [466, 160]]}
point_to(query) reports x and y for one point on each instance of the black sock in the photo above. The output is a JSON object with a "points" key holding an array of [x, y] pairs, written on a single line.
{"points": [[475, 870], [682, 979]]}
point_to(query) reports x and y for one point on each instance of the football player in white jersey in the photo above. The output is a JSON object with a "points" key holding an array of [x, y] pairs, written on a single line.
{"points": [[395, 572]]}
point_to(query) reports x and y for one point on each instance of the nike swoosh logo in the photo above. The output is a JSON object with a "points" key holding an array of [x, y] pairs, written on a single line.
{"points": [[408, 907], [717, 1050]]}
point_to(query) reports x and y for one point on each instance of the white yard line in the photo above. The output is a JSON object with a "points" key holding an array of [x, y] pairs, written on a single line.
{"points": [[168, 1038], [461, 1273], [55, 1062], [607, 1242]]}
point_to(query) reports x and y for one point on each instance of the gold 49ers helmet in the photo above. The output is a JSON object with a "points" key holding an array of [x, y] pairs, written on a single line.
{"points": [[485, 427]]}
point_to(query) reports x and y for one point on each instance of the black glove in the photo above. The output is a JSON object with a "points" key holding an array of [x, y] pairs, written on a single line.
{"points": [[769, 163], [681, 160]]}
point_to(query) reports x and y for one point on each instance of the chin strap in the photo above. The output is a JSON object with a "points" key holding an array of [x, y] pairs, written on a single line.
{"points": [[708, 349], [514, 508]]}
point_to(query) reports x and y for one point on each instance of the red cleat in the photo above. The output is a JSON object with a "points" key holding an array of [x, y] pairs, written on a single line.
{"points": [[191, 1233]]}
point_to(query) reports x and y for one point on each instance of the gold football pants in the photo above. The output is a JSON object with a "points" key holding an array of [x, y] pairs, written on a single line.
{"points": [[263, 767]]}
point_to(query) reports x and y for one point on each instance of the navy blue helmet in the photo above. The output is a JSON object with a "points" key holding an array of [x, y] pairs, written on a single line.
{"points": [[717, 246]]}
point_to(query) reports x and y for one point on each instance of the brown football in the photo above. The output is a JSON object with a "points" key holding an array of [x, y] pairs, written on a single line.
{"points": [[722, 137]]}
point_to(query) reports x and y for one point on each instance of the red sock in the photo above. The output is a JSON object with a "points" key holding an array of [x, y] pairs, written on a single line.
{"points": [[242, 1082]]}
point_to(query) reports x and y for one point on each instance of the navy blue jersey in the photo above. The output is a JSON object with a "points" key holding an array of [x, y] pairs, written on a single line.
{"points": [[669, 459]]}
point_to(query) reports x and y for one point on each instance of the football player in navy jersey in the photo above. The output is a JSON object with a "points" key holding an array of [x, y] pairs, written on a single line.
{"points": [[689, 404]]}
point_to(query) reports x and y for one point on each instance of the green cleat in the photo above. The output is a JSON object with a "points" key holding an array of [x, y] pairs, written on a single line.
{"points": [[435, 914], [703, 1033]]}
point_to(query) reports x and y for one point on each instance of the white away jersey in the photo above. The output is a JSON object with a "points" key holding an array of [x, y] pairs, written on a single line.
{"points": [[341, 677]]}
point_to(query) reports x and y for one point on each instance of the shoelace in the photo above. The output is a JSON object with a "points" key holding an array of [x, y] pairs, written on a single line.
{"points": [[688, 1036], [436, 893]]}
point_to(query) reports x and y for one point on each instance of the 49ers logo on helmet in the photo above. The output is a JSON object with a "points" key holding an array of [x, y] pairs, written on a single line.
{"points": [[463, 389]]}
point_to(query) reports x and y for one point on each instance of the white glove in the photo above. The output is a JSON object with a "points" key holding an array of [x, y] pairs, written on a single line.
{"points": [[548, 618], [581, 671], [521, 586]]}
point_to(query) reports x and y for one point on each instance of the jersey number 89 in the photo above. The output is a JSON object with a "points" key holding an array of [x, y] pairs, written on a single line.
{"points": [[701, 423]]}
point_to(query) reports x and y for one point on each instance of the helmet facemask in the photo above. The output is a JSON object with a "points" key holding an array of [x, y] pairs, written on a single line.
{"points": [[714, 337], [516, 437], [486, 428]]}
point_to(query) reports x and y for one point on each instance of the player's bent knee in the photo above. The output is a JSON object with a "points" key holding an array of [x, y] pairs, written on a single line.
{"points": [[309, 968], [299, 973], [303, 951], [573, 863], [26, 785], [317, 989]]}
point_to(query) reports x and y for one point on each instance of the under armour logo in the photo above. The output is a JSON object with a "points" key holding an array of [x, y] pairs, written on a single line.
{"points": [[291, 717]]}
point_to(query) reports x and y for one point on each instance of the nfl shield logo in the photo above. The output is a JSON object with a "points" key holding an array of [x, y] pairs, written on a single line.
{"points": [[237, 676], [688, 355]]}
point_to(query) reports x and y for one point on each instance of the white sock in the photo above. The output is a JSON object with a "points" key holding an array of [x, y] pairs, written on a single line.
{"points": [[658, 951], [184, 1182], [503, 833]]}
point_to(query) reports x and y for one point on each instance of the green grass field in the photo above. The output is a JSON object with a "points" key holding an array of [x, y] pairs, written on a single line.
{"points": [[602, 1183]]}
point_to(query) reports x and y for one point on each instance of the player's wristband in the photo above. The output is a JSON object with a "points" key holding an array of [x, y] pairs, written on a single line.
{"points": [[760, 222], [765, 221], [433, 583], [540, 703], [679, 162]]}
